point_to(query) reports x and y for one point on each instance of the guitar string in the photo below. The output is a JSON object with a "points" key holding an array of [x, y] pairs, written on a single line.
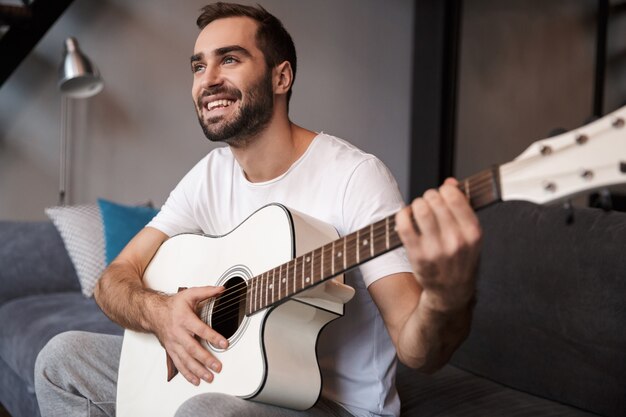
{"points": [[289, 266], [482, 185], [242, 287], [483, 181], [235, 312], [478, 181], [379, 236], [241, 292], [327, 249]]}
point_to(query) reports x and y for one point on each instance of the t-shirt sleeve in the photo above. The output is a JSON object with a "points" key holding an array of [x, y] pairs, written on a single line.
{"points": [[177, 214], [372, 194]]}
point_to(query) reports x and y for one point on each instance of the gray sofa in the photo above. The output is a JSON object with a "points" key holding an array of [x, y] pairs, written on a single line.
{"points": [[548, 337]]}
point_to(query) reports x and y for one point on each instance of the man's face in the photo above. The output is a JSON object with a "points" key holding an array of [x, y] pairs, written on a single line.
{"points": [[232, 85]]}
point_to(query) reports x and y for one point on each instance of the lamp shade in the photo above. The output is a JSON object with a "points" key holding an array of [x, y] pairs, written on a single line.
{"points": [[78, 77]]}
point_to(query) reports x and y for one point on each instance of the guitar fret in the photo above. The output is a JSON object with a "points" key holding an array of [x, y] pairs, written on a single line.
{"points": [[295, 284], [317, 266], [256, 294], [277, 285], [297, 277], [272, 288], [345, 254], [266, 285], [268, 290], [322, 264], [387, 232], [358, 257], [378, 241], [282, 280], [260, 291], [249, 297], [332, 257], [372, 240], [257, 290]]}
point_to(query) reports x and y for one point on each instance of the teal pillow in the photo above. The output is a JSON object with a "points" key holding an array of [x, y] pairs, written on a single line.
{"points": [[121, 224]]}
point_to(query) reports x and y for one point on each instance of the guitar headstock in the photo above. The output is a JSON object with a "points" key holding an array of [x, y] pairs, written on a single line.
{"points": [[580, 161]]}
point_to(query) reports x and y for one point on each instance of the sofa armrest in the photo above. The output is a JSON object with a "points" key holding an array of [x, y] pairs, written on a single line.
{"points": [[33, 260]]}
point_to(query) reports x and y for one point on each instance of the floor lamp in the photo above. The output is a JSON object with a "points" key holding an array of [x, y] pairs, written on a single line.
{"points": [[78, 78]]}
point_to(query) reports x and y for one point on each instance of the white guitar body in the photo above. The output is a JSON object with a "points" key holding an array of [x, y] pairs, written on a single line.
{"points": [[271, 357]]}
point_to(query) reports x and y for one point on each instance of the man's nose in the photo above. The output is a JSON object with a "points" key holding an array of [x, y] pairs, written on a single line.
{"points": [[212, 77]]}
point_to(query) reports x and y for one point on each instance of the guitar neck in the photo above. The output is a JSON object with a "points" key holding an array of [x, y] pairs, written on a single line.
{"points": [[352, 250]]}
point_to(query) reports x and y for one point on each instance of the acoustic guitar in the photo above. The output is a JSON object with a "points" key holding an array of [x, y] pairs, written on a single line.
{"points": [[283, 276]]}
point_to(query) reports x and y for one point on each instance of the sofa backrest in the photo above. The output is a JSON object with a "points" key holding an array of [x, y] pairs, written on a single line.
{"points": [[33, 260], [551, 312]]}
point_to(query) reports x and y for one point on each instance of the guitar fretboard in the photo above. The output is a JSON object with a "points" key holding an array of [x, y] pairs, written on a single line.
{"points": [[347, 252]]}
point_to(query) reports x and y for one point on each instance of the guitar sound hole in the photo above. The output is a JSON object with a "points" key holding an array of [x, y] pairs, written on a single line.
{"points": [[230, 308]]}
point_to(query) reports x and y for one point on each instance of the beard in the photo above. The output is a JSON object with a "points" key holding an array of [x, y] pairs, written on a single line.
{"points": [[252, 117]]}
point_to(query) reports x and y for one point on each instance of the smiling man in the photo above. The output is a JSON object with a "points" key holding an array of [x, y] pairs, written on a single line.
{"points": [[413, 303]]}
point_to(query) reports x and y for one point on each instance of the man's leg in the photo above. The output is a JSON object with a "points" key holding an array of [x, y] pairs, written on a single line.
{"points": [[222, 405], [76, 375]]}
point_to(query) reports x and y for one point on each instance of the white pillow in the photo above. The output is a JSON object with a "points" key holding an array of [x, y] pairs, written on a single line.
{"points": [[82, 232]]}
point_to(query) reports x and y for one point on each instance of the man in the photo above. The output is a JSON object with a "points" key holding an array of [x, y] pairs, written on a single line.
{"points": [[417, 307]]}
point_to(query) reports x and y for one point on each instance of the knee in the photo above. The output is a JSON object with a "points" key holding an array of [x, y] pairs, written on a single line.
{"points": [[209, 405], [56, 352]]}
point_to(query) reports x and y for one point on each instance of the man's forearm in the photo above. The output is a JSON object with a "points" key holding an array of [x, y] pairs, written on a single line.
{"points": [[124, 299], [430, 336]]}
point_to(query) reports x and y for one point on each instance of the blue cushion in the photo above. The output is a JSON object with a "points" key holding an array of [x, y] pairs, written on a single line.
{"points": [[121, 224]]}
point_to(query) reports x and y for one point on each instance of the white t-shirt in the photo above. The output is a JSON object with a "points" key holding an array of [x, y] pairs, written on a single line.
{"points": [[341, 185]]}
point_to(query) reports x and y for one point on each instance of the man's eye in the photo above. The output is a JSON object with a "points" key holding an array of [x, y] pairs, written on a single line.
{"points": [[229, 60], [197, 68]]}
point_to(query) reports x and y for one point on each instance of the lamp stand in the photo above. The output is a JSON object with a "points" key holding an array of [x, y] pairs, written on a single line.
{"points": [[65, 155]]}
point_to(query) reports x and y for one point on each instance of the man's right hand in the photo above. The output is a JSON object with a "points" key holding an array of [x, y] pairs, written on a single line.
{"points": [[121, 295], [178, 327]]}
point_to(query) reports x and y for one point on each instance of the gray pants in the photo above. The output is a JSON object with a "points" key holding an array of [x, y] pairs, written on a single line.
{"points": [[76, 375]]}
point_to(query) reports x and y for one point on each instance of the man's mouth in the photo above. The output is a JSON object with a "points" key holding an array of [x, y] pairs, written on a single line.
{"points": [[218, 104]]}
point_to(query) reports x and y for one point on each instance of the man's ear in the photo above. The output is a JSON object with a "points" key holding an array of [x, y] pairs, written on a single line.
{"points": [[283, 78]]}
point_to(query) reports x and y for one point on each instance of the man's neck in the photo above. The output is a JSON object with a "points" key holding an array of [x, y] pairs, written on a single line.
{"points": [[273, 151]]}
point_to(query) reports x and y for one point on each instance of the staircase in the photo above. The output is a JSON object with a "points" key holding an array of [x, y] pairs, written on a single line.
{"points": [[22, 24]]}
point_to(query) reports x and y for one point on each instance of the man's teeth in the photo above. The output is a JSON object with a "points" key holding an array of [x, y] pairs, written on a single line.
{"points": [[218, 103]]}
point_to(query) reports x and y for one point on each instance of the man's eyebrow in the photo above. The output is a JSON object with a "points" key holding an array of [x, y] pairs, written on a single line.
{"points": [[221, 52], [232, 48]]}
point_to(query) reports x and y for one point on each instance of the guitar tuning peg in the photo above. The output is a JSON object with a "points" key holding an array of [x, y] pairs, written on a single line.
{"points": [[569, 210]]}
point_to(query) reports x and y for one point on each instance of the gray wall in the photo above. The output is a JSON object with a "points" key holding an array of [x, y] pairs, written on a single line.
{"points": [[526, 68], [137, 138]]}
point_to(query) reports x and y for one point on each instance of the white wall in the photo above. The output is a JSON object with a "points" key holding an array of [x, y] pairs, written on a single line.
{"points": [[136, 139]]}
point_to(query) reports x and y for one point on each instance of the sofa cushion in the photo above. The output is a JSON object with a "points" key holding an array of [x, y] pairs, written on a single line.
{"points": [[29, 322], [551, 313], [33, 260], [452, 392], [82, 232], [121, 224]]}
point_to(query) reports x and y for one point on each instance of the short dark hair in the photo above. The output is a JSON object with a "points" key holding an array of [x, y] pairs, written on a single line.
{"points": [[271, 36]]}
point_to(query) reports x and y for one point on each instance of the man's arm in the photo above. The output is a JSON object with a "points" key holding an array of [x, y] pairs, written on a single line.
{"points": [[428, 314], [120, 293]]}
